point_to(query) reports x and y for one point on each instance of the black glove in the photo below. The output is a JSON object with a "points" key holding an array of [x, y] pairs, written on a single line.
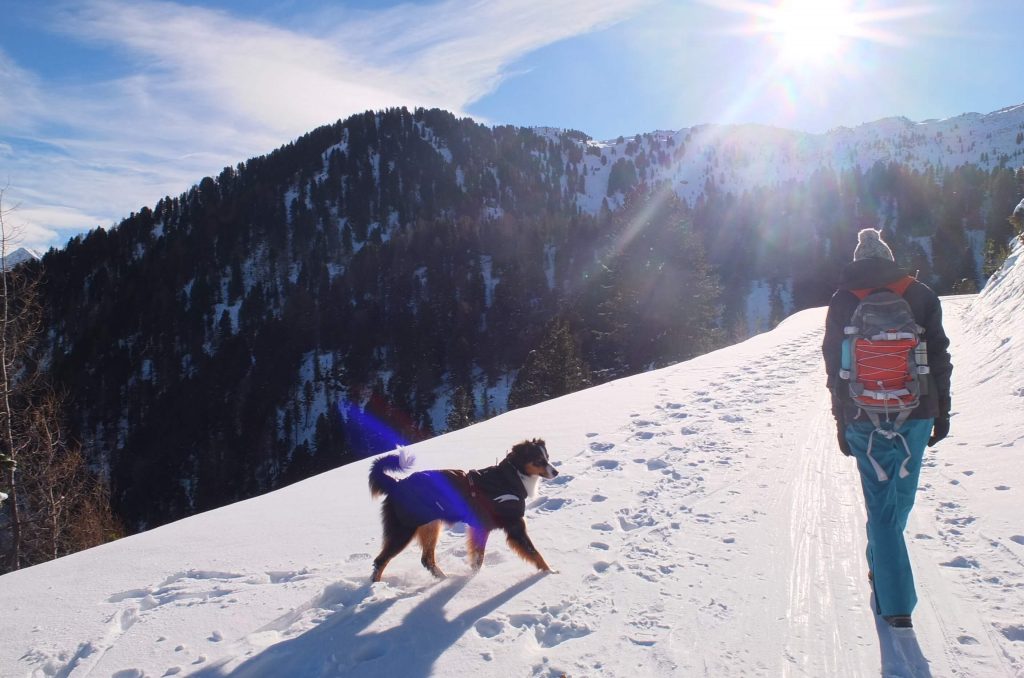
{"points": [[838, 410], [839, 413], [844, 446], [940, 430]]}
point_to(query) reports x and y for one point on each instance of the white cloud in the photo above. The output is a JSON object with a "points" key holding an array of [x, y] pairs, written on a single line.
{"points": [[207, 89]]}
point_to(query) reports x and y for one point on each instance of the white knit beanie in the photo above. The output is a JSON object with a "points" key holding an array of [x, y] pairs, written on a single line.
{"points": [[871, 246]]}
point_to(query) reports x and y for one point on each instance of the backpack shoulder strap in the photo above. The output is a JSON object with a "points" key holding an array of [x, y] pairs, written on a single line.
{"points": [[897, 286], [901, 285]]}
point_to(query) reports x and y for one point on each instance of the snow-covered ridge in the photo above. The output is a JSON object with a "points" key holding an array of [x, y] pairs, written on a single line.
{"points": [[738, 158]]}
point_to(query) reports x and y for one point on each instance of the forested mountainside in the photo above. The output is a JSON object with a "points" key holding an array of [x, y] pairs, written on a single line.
{"points": [[402, 273]]}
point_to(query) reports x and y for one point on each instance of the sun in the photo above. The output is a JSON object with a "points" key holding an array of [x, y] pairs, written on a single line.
{"points": [[819, 33], [809, 31]]}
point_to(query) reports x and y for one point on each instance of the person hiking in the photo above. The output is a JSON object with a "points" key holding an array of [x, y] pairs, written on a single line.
{"points": [[890, 398]]}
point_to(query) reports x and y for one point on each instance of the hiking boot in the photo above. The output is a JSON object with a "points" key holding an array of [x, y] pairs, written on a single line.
{"points": [[899, 621]]}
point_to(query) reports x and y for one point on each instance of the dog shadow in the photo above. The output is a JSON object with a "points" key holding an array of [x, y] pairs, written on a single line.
{"points": [[901, 653], [336, 646]]}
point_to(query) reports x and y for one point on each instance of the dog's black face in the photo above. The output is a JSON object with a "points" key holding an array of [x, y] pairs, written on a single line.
{"points": [[530, 458]]}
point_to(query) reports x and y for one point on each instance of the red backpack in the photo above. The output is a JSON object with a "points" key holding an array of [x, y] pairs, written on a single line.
{"points": [[884, 360]]}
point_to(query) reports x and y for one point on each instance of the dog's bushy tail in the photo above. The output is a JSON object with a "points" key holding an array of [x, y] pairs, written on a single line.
{"points": [[380, 481]]}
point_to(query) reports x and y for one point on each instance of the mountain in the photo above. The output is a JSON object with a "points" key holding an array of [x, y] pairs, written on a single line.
{"points": [[404, 273], [703, 522], [740, 158], [20, 255]]}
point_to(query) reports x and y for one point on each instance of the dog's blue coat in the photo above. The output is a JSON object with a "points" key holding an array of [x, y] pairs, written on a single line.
{"points": [[442, 495]]}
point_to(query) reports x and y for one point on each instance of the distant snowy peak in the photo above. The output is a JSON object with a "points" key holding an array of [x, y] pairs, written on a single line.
{"points": [[737, 158], [20, 255]]}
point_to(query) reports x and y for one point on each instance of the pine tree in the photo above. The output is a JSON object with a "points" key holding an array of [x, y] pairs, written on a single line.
{"points": [[461, 412], [553, 369]]}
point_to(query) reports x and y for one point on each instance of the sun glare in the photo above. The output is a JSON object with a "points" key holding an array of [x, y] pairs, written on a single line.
{"points": [[816, 33], [810, 30]]}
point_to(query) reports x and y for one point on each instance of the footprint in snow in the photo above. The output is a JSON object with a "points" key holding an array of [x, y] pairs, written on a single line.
{"points": [[601, 447], [1012, 632], [549, 631], [961, 562], [550, 504], [489, 628], [607, 464], [629, 522]]}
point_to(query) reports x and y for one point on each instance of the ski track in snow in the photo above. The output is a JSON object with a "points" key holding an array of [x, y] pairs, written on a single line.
{"points": [[712, 529]]}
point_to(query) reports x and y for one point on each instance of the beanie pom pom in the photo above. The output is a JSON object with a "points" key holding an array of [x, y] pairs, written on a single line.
{"points": [[871, 246]]}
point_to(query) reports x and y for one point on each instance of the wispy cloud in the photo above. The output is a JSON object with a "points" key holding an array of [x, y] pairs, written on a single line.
{"points": [[205, 89]]}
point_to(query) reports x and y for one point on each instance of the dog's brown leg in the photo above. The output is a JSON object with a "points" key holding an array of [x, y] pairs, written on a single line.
{"points": [[427, 534], [520, 543], [394, 542], [477, 543]]}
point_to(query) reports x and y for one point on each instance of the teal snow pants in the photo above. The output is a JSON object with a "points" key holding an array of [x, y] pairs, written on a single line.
{"points": [[889, 479]]}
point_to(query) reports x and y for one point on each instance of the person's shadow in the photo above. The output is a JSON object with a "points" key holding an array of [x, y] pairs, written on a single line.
{"points": [[901, 653], [335, 647]]}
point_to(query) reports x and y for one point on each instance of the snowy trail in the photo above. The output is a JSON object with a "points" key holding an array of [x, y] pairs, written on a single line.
{"points": [[703, 523]]}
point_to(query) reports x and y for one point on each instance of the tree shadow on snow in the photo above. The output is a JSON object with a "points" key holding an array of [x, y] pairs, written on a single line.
{"points": [[336, 646], [901, 653]]}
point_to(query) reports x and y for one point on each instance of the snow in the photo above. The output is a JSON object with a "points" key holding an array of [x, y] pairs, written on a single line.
{"points": [[703, 523], [743, 157], [20, 255]]}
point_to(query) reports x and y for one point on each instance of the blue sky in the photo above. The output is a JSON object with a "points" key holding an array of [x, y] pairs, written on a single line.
{"points": [[108, 105]]}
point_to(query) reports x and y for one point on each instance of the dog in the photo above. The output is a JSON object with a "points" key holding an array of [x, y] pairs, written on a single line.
{"points": [[486, 499]]}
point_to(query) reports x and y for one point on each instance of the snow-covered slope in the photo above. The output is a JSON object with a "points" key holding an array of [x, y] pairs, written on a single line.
{"points": [[703, 524], [741, 157]]}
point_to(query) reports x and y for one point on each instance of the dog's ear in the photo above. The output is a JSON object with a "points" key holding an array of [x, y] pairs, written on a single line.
{"points": [[528, 451], [520, 455], [517, 452]]}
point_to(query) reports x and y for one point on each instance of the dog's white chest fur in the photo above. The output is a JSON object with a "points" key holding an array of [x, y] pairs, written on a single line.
{"points": [[530, 483]]}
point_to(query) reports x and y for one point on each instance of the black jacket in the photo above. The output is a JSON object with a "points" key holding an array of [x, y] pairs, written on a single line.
{"points": [[924, 304], [498, 491]]}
